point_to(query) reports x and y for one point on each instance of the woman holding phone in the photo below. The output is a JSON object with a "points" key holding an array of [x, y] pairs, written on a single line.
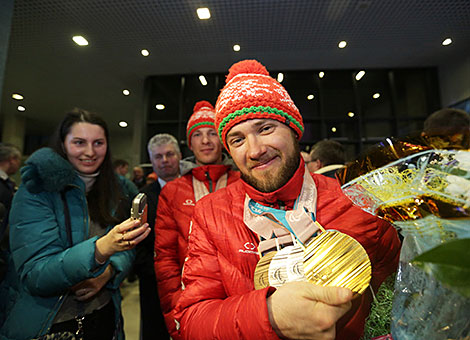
{"points": [[69, 250]]}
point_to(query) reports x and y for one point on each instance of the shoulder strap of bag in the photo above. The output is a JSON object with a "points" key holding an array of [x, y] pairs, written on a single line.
{"points": [[68, 227]]}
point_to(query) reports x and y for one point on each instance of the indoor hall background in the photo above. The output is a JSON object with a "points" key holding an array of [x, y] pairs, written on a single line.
{"points": [[54, 74], [334, 106]]}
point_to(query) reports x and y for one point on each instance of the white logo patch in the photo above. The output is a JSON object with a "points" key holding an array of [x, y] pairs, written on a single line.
{"points": [[189, 202]]}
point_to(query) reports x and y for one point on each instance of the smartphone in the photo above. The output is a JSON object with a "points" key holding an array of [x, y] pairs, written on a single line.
{"points": [[139, 208]]}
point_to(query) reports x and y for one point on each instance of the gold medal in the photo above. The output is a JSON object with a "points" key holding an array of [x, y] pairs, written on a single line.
{"points": [[336, 259], [261, 277]]}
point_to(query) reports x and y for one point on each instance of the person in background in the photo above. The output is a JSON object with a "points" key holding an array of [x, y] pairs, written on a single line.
{"points": [[10, 160], [326, 158], [451, 126], [260, 126], [151, 178], [210, 171], [69, 250], [121, 167], [165, 155], [138, 177], [129, 189]]}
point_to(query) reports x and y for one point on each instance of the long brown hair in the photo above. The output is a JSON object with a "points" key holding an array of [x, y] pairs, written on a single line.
{"points": [[104, 196]]}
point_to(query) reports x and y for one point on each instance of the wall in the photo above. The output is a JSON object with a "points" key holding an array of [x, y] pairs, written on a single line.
{"points": [[454, 80], [6, 13]]}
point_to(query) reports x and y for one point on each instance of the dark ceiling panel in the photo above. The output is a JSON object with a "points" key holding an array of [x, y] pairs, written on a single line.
{"points": [[54, 74]]}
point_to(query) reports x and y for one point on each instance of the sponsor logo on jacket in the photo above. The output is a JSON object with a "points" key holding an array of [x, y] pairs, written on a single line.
{"points": [[248, 248], [189, 202]]}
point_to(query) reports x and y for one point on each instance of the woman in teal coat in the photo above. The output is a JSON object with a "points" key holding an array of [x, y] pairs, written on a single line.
{"points": [[68, 258]]}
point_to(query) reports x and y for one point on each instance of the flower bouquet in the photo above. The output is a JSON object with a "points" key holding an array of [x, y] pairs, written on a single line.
{"points": [[425, 194]]}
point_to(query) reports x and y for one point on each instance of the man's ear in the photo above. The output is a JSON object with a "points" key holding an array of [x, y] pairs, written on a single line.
{"points": [[314, 165]]}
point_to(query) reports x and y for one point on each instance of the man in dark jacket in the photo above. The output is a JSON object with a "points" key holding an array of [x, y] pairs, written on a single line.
{"points": [[165, 155], [276, 205], [10, 160]]}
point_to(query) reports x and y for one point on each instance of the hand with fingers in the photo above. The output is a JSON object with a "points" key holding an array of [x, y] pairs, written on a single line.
{"points": [[86, 289], [302, 310], [122, 237]]}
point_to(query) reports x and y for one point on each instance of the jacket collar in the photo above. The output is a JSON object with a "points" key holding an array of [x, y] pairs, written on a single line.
{"points": [[214, 172], [287, 194], [45, 170]]}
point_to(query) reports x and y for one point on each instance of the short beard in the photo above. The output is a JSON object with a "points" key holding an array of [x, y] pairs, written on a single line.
{"points": [[272, 182]]}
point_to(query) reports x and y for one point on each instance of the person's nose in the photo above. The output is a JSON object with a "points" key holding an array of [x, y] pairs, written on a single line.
{"points": [[165, 158], [256, 147], [205, 138], [89, 150]]}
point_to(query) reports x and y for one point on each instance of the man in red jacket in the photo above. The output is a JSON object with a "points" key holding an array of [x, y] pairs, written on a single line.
{"points": [[260, 126], [210, 171]]}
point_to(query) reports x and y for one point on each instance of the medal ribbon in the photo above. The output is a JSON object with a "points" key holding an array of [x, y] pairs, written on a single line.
{"points": [[278, 227]]}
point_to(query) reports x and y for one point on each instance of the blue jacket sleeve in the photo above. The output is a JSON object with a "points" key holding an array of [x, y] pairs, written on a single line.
{"points": [[122, 263], [39, 246]]}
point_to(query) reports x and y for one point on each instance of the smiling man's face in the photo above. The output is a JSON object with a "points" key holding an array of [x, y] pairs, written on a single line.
{"points": [[206, 146], [266, 152]]}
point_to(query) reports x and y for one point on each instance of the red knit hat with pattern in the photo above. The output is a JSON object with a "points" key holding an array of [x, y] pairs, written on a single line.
{"points": [[203, 116], [250, 93]]}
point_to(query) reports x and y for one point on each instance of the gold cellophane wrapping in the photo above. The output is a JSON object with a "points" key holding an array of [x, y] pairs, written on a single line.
{"points": [[336, 259]]}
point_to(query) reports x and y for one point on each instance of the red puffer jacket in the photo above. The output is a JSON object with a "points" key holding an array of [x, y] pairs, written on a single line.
{"points": [[219, 300], [175, 208]]}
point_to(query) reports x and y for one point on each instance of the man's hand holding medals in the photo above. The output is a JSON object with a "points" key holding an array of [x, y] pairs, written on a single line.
{"points": [[316, 271], [301, 310]]}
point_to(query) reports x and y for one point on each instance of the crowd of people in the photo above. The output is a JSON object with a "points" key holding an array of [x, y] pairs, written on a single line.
{"points": [[211, 217]]}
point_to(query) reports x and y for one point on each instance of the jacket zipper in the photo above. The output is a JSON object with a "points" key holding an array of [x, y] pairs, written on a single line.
{"points": [[210, 181]]}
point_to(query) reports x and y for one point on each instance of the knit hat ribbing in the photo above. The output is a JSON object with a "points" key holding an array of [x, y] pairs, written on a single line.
{"points": [[203, 116], [250, 93]]}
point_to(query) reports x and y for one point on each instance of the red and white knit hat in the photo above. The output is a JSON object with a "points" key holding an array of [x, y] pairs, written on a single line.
{"points": [[250, 93], [203, 116]]}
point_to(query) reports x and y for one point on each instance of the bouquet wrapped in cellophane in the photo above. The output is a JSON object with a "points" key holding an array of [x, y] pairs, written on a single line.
{"points": [[425, 194]]}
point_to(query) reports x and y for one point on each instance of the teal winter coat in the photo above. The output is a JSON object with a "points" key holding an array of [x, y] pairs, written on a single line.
{"points": [[44, 263]]}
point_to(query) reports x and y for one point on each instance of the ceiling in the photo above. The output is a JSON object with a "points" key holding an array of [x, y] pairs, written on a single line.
{"points": [[55, 75]]}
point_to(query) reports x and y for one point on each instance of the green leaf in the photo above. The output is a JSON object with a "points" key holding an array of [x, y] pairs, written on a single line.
{"points": [[449, 263]]}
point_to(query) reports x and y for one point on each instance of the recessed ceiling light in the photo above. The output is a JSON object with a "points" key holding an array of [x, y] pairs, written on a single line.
{"points": [[342, 44], [160, 107], [145, 53], [280, 77], [203, 80], [351, 114], [21, 108], [310, 96], [360, 74], [123, 124], [333, 129], [376, 95], [447, 41], [203, 13], [236, 48], [79, 40], [126, 92], [17, 96], [321, 74]]}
